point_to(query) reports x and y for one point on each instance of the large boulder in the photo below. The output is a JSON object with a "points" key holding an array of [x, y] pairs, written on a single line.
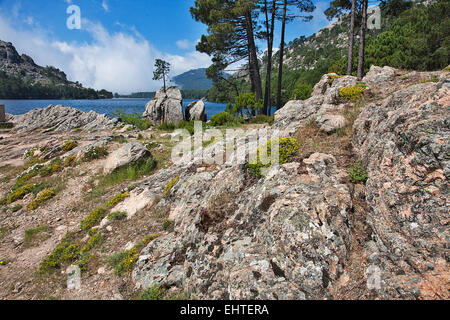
{"points": [[165, 107], [378, 74], [59, 118], [196, 111], [403, 142], [129, 153]]}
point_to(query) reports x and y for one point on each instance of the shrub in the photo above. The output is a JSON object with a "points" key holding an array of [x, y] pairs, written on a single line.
{"points": [[155, 292], [94, 153], [352, 93], [170, 186], [69, 145], [302, 91], [117, 216], [220, 119], [168, 225], [42, 197], [93, 218], [69, 161], [116, 199], [167, 126], [332, 77], [54, 166], [357, 173], [16, 208], [123, 261], [288, 149], [133, 118], [261, 118], [19, 193], [66, 251], [6, 125]]}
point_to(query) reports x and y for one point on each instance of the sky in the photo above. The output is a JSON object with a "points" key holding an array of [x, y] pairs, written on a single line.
{"points": [[118, 40]]}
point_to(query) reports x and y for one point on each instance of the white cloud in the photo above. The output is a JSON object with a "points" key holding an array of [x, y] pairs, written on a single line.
{"points": [[105, 5], [119, 62], [186, 44]]}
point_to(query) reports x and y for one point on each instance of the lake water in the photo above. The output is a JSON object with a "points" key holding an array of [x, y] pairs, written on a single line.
{"points": [[107, 106]]}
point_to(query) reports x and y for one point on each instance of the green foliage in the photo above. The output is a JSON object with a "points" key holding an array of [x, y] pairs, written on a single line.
{"points": [[6, 125], [288, 149], [261, 118], [134, 118], [357, 173], [41, 198], [13, 87], [302, 91], [167, 126], [418, 40], [123, 261], [168, 225], [55, 165], [244, 103], [19, 193], [16, 208], [93, 218], [117, 199], [69, 145], [154, 292], [94, 153], [222, 119], [352, 93], [170, 186], [70, 161], [117, 216], [65, 252], [162, 69]]}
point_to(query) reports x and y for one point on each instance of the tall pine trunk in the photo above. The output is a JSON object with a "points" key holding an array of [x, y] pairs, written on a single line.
{"points": [[253, 57], [270, 31], [280, 67], [362, 40], [351, 40]]}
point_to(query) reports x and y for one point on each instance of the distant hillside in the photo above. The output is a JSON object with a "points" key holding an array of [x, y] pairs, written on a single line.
{"points": [[21, 78], [194, 80]]}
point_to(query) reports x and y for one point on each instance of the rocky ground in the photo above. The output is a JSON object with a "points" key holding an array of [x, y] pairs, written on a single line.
{"points": [[308, 229]]}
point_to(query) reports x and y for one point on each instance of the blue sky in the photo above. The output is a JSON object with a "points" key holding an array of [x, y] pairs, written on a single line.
{"points": [[118, 40]]}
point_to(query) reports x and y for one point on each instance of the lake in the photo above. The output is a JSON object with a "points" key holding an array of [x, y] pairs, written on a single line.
{"points": [[107, 106]]}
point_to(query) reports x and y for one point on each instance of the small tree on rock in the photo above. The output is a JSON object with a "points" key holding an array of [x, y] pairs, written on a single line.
{"points": [[161, 72]]}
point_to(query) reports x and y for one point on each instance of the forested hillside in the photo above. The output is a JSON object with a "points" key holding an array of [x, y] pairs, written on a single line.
{"points": [[413, 36], [21, 78]]}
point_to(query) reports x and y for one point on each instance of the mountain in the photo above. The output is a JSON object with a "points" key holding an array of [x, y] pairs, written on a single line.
{"points": [[22, 78], [194, 80]]}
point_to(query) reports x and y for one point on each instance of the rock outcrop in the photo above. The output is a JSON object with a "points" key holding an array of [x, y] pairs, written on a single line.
{"points": [[379, 75], [129, 153], [322, 107], [196, 111], [404, 143], [292, 234], [59, 118], [165, 107]]}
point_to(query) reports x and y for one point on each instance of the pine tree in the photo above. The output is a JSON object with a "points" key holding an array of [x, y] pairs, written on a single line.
{"points": [[161, 72]]}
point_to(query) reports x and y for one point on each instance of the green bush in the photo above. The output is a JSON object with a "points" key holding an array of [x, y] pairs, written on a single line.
{"points": [[302, 91], [288, 149], [123, 261], [69, 145], [117, 216], [66, 251], [352, 93], [116, 199], [167, 126], [221, 119], [42, 197], [357, 173], [93, 218], [94, 153], [168, 225], [133, 118], [155, 292], [19, 193]]}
